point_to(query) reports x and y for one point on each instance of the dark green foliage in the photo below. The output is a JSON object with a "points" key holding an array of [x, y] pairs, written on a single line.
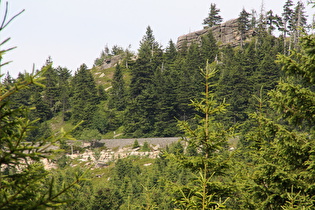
{"points": [[125, 168], [116, 50], [244, 72], [166, 104], [294, 95], [25, 183], [145, 147], [64, 76], [287, 19], [77, 196], [273, 21], [84, 97], [118, 90], [299, 18], [280, 150], [213, 17], [234, 85], [101, 93], [135, 144], [141, 110], [270, 168], [287, 11], [89, 135], [209, 48], [209, 139], [102, 121], [140, 114], [42, 109], [170, 52], [107, 199], [243, 23], [150, 55], [51, 93]]}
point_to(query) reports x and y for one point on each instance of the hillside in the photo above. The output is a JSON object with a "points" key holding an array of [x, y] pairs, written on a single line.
{"points": [[240, 100]]}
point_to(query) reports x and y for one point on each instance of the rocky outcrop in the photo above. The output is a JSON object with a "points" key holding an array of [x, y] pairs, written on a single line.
{"points": [[226, 33], [111, 61]]}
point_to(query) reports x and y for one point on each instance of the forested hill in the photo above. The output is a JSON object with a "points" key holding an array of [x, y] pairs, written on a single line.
{"points": [[143, 94], [256, 94]]}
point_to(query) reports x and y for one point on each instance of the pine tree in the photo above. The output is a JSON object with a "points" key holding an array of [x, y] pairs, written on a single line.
{"points": [[281, 147], [51, 94], [84, 97], [273, 21], [213, 17], [170, 52], [209, 138], [209, 48], [287, 18], [165, 87], [268, 72], [243, 24], [64, 76], [253, 20], [118, 92], [235, 84], [261, 23], [25, 184], [189, 76], [298, 22], [141, 109], [149, 58]]}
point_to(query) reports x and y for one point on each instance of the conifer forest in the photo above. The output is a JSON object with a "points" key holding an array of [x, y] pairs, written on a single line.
{"points": [[243, 115]]}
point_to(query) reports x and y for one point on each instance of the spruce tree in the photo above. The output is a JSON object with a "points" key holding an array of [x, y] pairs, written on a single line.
{"points": [[142, 99], [118, 92], [25, 184], [213, 17], [235, 84], [281, 161], [24, 181], [273, 21], [287, 18], [209, 48], [84, 97], [243, 24], [165, 86], [64, 76], [149, 58], [51, 93], [209, 138], [189, 76], [170, 52], [298, 22]]}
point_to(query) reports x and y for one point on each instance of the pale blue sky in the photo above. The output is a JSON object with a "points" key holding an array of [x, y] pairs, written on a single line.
{"points": [[73, 32]]}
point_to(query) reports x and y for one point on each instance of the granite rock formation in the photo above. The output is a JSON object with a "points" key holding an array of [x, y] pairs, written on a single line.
{"points": [[226, 33]]}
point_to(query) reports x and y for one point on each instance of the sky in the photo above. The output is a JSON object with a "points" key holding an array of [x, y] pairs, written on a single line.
{"points": [[73, 32]]}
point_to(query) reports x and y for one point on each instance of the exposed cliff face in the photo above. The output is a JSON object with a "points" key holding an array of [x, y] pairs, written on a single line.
{"points": [[226, 33]]}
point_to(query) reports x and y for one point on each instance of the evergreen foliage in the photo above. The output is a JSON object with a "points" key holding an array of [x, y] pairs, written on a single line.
{"points": [[243, 23], [268, 164], [209, 139], [213, 17], [84, 97], [281, 148], [118, 92], [24, 181]]}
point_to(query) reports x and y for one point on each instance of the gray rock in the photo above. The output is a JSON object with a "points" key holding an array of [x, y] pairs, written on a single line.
{"points": [[226, 33]]}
